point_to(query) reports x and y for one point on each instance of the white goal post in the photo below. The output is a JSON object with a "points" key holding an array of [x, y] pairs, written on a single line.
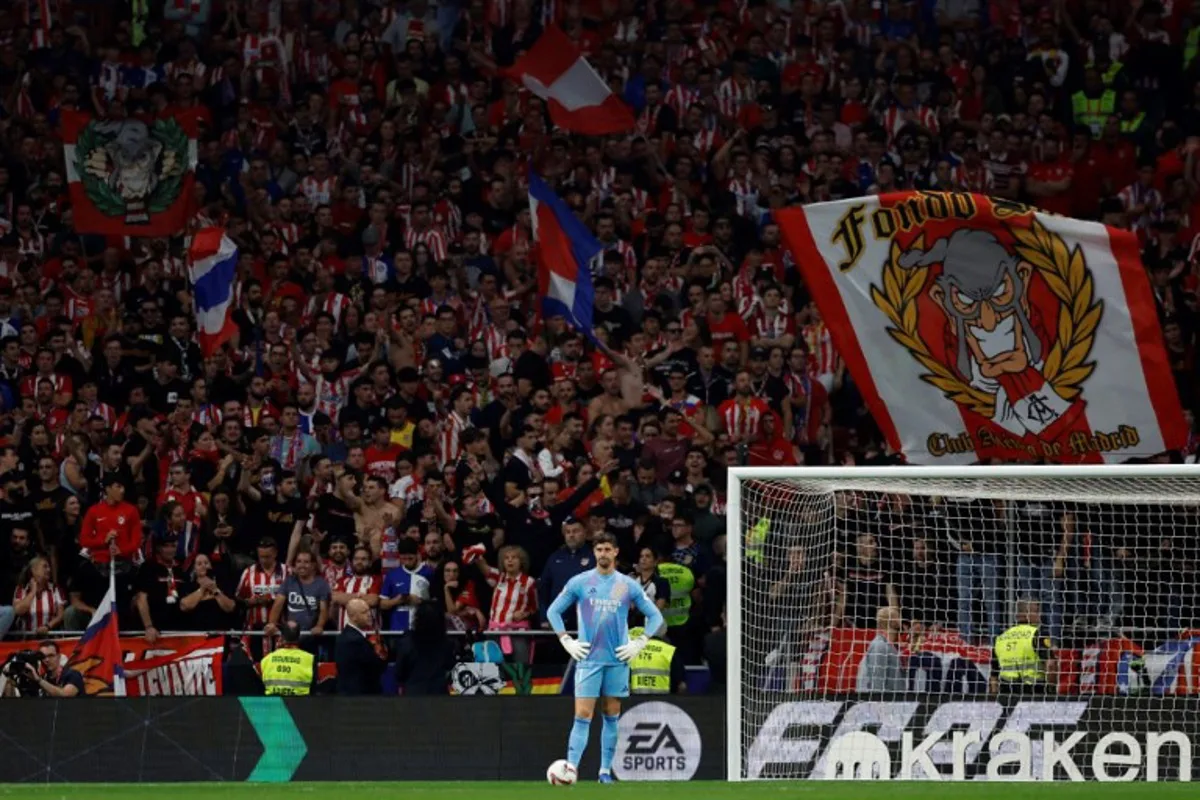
{"points": [[1104, 559]]}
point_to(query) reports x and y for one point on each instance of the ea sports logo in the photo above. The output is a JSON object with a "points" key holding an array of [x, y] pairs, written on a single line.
{"points": [[657, 742]]}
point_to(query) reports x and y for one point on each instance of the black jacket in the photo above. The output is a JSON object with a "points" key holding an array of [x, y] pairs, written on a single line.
{"points": [[423, 667], [358, 665]]}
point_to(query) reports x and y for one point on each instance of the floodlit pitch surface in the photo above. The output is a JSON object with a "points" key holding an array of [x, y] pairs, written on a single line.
{"points": [[816, 790]]}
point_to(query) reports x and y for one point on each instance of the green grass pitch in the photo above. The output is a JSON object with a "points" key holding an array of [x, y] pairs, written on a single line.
{"points": [[822, 790]]}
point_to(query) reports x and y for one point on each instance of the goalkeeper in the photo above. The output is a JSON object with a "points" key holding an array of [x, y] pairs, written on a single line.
{"points": [[603, 597]]}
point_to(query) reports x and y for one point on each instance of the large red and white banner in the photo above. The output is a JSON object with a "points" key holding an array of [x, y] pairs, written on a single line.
{"points": [[976, 328], [130, 177], [171, 667]]}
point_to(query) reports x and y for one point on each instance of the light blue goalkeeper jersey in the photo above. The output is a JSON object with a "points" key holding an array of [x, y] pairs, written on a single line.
{"points": [[603, 603]]}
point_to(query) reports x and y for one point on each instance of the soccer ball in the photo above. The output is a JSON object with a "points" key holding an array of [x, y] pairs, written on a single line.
{"points": [[560, 773]]}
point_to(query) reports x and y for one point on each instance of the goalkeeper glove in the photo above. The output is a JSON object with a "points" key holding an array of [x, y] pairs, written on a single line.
{"points": [[575, 649], [628, 652]]}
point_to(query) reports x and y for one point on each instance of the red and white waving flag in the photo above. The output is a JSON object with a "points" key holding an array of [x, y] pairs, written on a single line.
{"points": [[976, 328], [579, 100]]}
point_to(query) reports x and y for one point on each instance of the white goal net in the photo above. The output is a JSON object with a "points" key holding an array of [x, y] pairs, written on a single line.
{"points": [[1038, 623]]}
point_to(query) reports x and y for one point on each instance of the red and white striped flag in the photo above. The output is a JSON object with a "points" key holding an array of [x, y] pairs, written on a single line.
{"points": [[579, 100]]}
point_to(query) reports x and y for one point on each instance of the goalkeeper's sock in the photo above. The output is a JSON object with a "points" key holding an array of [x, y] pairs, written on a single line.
{"points": [[578, 740], [608, 743]]}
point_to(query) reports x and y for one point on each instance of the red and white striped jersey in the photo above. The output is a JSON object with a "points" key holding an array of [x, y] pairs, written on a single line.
{"points": [[453, 94], [332, 395], [647, 120], [822, 357], [196, 68], [450, 444], [628, 256], [895, 118], [313, 66], [332, 572], [62, 384], [770, 326], [106, 84], [477, 314], [356, 584], [318, 192], [714, 51], [32, 245], [509, 596], [48, 603], [78, 307], [499, 12], [408, 490], [809, 416], [641, 200], [602, 181], [120, 284], [432, 238], [332, 303], [448, 216], [268, 50], [257, 583], [105, 412], [208, 415], [430, 305], [1147, 197], [979, 179], [707, 142], [680, 98], [496, 339], [745, 195], [289, 232], [174, 267], [741, 420], [731, 96], [407, 175], [40, 16]]}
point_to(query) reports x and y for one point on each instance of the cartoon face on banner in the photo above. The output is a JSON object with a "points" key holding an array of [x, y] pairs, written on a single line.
{"points": [[998, 311]]}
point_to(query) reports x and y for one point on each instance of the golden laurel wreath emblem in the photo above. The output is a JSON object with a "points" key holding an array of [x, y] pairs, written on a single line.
{"points": [[1067, 365]]}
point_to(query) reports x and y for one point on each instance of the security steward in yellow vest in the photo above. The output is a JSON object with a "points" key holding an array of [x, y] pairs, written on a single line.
{"points": [[1094, 103], [288, 671], [655, 670], [1023, 657], [682, 582]]}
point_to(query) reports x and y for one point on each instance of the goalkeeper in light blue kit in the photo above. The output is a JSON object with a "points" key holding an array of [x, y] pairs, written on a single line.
{"points": [[603, 650]]}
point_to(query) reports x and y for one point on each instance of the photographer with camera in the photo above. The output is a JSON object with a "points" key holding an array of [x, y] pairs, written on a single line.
{"points": [[41, 673]]}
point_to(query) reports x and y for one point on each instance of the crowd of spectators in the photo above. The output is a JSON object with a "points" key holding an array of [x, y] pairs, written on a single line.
{"points": [[396, 419], [957, 565]]}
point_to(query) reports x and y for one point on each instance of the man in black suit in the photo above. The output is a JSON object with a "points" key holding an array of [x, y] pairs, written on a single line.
{"points": [[359, 665]]}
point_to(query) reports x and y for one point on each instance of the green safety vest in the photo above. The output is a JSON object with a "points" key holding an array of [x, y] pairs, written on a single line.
{"points": [[1016, 652], [1191, 46], [288, 672], [682, 581], [650, 672], [1132, 125], [1108, 76], [756, 541], [141, 13], [1093, 111]]}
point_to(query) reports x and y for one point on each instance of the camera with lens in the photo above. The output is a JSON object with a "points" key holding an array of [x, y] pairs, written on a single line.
{"points": [[16, 670]]}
